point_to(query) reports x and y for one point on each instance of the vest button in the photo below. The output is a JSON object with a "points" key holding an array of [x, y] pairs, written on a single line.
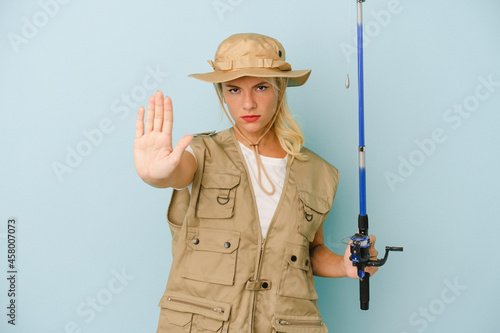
{"points": [[265, 285], [293, 258], [307, 262], [227, 245], [196, 241]]}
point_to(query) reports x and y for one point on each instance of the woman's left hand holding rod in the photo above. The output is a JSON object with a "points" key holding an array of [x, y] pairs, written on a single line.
{"points": [[352, 271]]}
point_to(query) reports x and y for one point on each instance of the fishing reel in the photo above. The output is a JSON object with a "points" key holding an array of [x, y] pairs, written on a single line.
{"points": [[360, 257]]}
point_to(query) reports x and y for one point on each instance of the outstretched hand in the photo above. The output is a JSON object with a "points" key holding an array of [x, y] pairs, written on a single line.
{"points": [[155, 158]]}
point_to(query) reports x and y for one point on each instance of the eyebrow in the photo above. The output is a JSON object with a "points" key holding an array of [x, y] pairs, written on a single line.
{"points": [[258, 84]]}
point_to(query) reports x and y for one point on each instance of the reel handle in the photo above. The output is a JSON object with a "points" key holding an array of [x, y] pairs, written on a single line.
{"points": [[380, 262]]}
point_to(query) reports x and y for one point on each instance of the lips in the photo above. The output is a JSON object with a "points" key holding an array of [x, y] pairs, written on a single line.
{"points": [[250, 118]]}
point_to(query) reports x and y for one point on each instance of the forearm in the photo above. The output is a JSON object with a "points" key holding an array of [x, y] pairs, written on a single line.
{"points": [[326, 263]]}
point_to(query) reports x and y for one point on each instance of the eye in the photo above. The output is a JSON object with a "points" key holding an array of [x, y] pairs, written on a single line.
{"points": [[262, 88], [233, 90]]}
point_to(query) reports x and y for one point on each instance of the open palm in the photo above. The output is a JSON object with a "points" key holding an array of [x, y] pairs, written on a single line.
{"points": [[154, 156]]}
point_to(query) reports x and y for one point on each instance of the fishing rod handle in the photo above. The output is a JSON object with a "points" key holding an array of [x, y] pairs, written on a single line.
{"points": [[364, 291]]}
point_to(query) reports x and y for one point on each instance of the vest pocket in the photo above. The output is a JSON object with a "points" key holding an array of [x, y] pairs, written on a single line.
{"points": [[217, 193], [184, 313], [211, 255], [298, 324], [297, 278], [174, 321], [313, 213], [176, 212]]}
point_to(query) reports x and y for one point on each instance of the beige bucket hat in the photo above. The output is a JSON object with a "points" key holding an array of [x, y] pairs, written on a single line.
{"points": [[251, 54]]}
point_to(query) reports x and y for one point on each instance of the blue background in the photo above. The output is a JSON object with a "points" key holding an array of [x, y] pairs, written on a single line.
{"points": [[73, 69]]}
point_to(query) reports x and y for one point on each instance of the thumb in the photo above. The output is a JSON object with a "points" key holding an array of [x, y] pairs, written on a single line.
{"points": [[181, 146]]}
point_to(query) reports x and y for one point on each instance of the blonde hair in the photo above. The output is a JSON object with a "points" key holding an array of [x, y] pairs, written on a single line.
{"points": [[285, 127]]}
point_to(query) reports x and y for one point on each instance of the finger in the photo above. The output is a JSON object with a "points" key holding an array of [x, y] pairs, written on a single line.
{"points": [[371, 270], [168, 117], [181, 146], [373, 239], [373, 251], [158, 119], [139, 124], [150, 114]]}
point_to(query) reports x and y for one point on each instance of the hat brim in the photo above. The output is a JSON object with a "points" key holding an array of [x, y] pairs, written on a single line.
{"points": [[295, 78]]}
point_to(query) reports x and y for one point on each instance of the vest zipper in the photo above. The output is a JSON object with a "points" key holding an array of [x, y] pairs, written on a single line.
{"points": [[262, 242], [195, 304], [256, 275], [273, 220], [302, 323]]}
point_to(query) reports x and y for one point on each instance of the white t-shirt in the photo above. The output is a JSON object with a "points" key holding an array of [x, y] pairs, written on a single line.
{"points": [[276, 170]]}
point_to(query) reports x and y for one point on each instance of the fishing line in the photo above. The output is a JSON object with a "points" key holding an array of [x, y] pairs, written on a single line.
{"points": [[347, 80]]}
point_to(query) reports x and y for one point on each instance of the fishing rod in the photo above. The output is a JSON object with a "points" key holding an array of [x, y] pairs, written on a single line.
{"points": [[360, 245]]}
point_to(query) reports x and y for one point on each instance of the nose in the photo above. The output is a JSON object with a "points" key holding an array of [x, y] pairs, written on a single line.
{"points": [[249, 101]]}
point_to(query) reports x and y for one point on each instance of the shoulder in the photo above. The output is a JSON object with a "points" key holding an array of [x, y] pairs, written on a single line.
{"points": [[216, 150], [318, 163], [205, 139], [315, 176]]}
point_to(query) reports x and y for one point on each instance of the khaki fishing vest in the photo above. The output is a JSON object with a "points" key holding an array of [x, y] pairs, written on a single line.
{"points": [[224, 276]]}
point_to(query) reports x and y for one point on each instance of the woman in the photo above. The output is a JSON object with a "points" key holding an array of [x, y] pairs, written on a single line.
{"points": [[249, 202]]}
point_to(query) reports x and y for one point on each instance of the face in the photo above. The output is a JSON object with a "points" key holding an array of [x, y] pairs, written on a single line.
{"points": [[252, 103]]}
